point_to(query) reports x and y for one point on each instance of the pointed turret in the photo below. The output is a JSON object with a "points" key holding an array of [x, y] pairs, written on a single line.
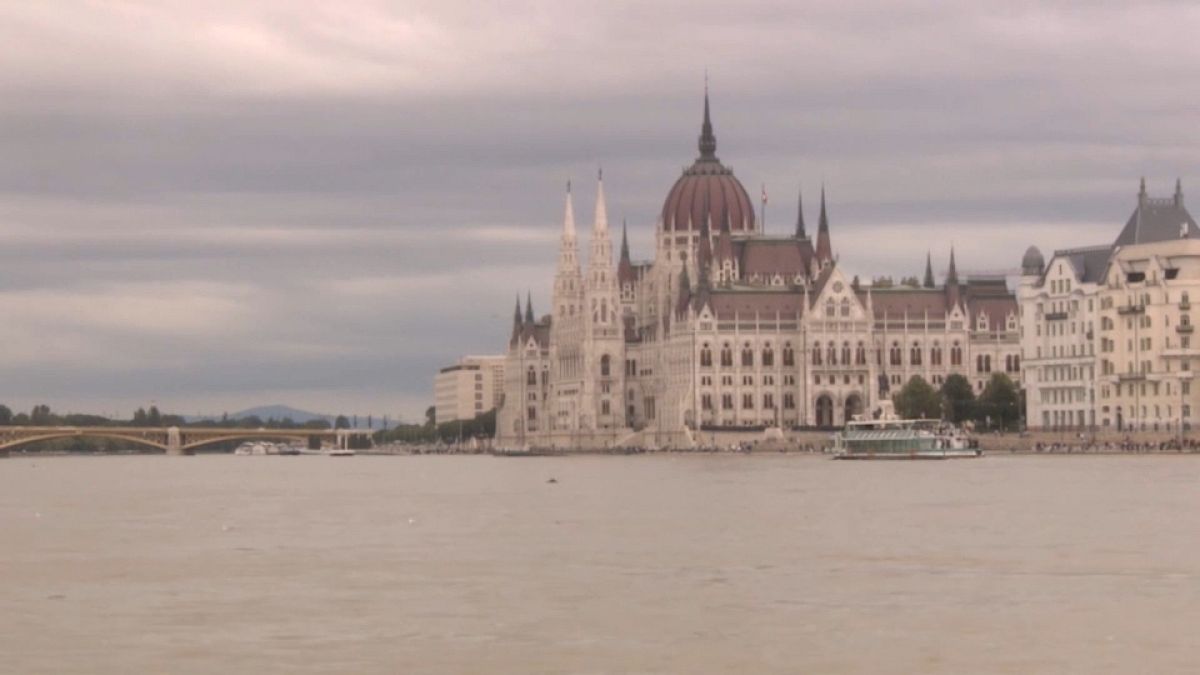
{"points": [[529, 309], [708, 142], [625, 265], [704, 253], [600, 224], [516, 327], [928, 270], [953, 293], [725, 245], [824, 247], [685, 291], [800, 231], [567, 301]]}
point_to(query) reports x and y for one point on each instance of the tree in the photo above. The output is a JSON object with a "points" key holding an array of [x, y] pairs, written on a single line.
{"points": [[153, 417], [958, 399], [341, 422], [917, 399], [430, 416], [139, 417], [40, 415], [999, 405], [5, 415]]}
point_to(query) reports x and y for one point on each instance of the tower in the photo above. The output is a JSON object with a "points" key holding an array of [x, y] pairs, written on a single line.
{"points": [[824, 247], [604, 336]]}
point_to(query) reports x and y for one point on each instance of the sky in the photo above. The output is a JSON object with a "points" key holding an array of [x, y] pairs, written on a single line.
{"points": [[208, 206]]}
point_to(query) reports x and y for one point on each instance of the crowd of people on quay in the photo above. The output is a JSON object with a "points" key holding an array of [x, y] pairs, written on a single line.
{"points": [[1127, 445]]}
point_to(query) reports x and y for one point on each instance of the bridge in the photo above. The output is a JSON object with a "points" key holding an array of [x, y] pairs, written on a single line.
{"points": [[174, 440]]}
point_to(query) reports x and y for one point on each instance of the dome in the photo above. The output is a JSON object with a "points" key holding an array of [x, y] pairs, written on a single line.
{"points": [[1032, 262], [705, 190]]}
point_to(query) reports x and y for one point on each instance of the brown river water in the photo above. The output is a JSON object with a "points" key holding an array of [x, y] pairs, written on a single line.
{"points": [[646, 564]]}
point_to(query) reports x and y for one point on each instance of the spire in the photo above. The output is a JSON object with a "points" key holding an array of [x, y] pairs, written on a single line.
{"points": [[824, 247], [625, 266], [685, 291], [952, 291], [528, 308], [928, 270], [516, 328], [708, 142], [601, 221], [705, 254], [1178, 192], [725, 239], [800, 233], [569, 217], [624, 241]]}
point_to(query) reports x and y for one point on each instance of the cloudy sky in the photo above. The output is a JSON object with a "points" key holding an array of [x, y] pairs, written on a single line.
{"points": [[212, 205]]}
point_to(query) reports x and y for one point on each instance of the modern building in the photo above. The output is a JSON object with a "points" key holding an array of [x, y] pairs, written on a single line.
{"points": [[1106, 330], [470, 387], [727, 328]]}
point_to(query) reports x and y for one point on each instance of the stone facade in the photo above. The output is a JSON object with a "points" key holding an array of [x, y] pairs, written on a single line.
{"points": [[729, 329], [1106, 330]]}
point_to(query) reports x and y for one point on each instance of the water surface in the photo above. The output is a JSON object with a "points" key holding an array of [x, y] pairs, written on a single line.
{"points": [[648, 564]]}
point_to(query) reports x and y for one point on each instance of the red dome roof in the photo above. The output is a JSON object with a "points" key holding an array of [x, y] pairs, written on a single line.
{"points": [[705, 190]]}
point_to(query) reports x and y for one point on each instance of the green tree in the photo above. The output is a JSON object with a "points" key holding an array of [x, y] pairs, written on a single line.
{"points": [[999, 405], [958, 399], [430, 416], [139, 417], [153, 416], [917, 399], [40, 415], [6, 415], [341, 422]]}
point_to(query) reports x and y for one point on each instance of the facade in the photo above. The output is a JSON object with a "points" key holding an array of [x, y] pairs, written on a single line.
{"points": [[470, 387], [1106, 330], [726, 328]]}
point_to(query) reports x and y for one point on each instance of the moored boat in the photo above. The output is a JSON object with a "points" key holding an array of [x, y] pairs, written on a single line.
{"points": [[889, 437]]}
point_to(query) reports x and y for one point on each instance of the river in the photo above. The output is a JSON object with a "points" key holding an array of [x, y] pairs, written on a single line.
{"points": [[643, 564]]}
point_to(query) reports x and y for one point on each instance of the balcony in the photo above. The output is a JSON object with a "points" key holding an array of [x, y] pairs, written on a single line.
{"points": [[1131, 377], [1185, 328], [1055, 316], [1131, 309], [1185, 304]]}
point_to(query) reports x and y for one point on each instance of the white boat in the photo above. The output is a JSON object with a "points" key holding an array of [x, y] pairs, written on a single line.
{"points": [[889, 437], [340, 452]]}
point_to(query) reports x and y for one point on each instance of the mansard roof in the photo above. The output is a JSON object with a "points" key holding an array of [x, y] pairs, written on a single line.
{"points": [[989, 296], [1089, 262], [746, 303], [916, 302], [1157, 220], [784, 256]]}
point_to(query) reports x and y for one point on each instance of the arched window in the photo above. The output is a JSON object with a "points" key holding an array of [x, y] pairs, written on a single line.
{"points": [[845, 306], [531, 376], [726, 356], [816, 354], [894, 354], [914, 355], [747, 356], [768, 356], [830, 308], [935, 355], [860, 354], [789, 356], [846, 353], [1016, 363], [955, 355], [987, 363], [832, 353], [605, 365], [705, 356]]}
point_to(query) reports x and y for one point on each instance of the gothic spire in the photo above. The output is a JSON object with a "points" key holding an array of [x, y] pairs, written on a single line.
{"points": [[516, 327], [708, 142], [624, 241], [601, 221], [528, 308], [800, 233], [824, 247], [928, 270], [569, 217], [952, 275]]}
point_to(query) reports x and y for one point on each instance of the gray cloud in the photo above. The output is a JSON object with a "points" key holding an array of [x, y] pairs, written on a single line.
{"points": [[213, 205]]}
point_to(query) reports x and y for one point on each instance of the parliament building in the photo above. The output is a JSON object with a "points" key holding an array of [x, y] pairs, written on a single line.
{"points": [[728, 329]]}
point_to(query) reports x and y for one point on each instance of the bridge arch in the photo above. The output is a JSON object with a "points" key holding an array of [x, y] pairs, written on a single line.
{"points": [[98, 433]]}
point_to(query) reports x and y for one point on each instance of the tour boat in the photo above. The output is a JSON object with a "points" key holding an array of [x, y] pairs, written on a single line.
{"points": [[889, 437], [340, 452]]}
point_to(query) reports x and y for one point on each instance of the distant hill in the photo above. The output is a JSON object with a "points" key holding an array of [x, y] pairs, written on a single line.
{"points": [[266, 412]]}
